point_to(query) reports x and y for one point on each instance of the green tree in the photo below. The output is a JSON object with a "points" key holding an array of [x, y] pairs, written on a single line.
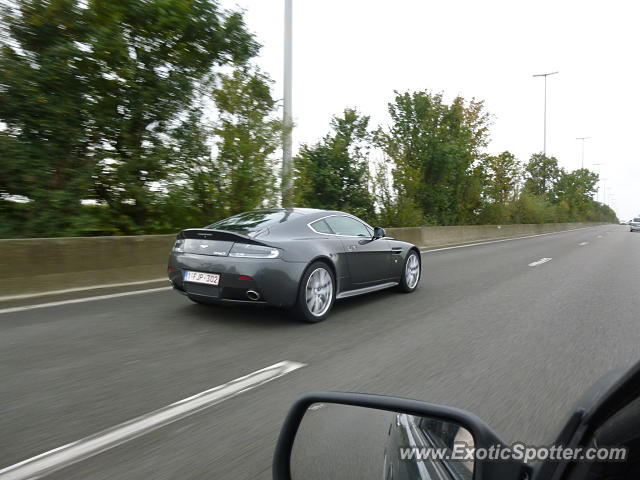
{"points": [[205, 183], [393, 211], [541, 174], [433, 147], [46, 146], [575, 190], [503, 173], [247, 133], [149, 59], [194, 189], [90, 94], [529, 208], [334, 173]]}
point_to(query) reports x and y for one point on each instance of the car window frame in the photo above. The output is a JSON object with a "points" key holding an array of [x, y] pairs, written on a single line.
{"points": [[367, 227]]}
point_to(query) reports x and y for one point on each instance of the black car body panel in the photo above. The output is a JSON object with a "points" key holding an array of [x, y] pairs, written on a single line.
{"points": [[359, 263]]}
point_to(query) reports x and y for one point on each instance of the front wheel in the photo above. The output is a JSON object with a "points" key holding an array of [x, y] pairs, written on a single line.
{"points": [[410, 273], [315, 294]]}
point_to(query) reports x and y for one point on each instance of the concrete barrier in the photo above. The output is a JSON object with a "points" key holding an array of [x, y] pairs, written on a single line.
{"points": [[427, 237], [37, 265]]}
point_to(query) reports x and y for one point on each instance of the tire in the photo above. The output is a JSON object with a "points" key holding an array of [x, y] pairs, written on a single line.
{"points": [[319, 297], [408, 281]]}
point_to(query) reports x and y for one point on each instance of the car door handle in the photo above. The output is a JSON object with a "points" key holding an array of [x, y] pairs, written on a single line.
{"points": [[351, 248], [396, 250]]}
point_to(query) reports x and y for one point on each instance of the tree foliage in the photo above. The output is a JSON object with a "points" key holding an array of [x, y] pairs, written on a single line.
{"points": [[433, 146], [574, 192], [89, 94], [46, 145], [106, 127], [334, 173], [541, 174], [503, 174], [225, 167], [248, 133]]}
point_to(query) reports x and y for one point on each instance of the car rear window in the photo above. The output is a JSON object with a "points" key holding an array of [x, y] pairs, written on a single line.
{"points": [[348, 226], [252, 223], [636, 220], [321, 226]]}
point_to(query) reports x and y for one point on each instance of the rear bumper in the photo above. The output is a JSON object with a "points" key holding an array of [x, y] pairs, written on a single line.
{"points": [[275, 280]]}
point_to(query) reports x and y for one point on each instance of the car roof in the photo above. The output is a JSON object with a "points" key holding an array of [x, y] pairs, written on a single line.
{"points": [[312, 214], [309, 213], [298, 222]]}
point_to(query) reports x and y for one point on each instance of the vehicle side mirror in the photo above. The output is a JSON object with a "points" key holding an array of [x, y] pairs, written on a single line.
{"points": [[332, 435], [378, 232]]}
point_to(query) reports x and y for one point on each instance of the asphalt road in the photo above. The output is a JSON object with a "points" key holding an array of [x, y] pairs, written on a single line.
{"points": [[515, 344]]}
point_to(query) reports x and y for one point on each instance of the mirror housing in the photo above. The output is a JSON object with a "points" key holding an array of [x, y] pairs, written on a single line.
{"points": [[483, 435], [378, 232]]}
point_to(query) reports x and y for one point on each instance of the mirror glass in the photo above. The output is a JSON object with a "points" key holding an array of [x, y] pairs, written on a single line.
{"points": [[345, 442]]}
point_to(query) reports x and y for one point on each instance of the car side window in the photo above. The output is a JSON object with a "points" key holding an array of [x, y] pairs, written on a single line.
{"points": [[348, 226], [321, 226]]}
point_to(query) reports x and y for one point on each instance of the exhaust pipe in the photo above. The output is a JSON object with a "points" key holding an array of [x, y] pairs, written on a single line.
{"points": [[253, 295]]}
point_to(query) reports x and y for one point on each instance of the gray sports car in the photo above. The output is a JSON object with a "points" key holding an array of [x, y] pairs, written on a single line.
{"points": [[296, 258]]}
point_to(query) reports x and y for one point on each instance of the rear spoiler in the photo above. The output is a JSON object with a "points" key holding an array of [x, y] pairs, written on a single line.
{"points": [[223, 235]]}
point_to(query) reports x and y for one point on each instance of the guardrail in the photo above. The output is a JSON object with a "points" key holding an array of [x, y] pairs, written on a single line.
{"points": [[37, 265]]}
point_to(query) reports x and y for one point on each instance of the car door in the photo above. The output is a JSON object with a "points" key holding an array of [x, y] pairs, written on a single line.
{"points": [[369, 260]]}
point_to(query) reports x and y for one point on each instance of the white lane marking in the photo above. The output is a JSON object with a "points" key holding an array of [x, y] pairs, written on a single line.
{"points": [[429, 250], [61, 457], [539, 262], [81, 300], [582, 244], [80, 289], [599, 236]]}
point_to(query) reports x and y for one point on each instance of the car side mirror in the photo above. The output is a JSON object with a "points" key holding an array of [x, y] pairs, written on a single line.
{"points": [[378, 232], [332, 435]]}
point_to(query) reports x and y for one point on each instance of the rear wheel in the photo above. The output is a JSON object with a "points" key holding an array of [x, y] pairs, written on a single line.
{"points": [[410, 273], [316, 293]]}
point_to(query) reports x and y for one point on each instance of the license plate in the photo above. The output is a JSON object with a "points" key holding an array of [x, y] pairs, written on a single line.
{"points": [[201, 277]]}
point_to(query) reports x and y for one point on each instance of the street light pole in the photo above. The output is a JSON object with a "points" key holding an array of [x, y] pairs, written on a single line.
{"points": [[287, 117], [583, 139], [545, 75], [598, 191]]}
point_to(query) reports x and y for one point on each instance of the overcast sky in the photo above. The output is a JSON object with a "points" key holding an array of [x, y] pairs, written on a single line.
{"points": [[355, 53]]}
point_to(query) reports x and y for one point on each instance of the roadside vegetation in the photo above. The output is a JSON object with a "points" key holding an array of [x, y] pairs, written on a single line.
{"points": [[134, 117]]}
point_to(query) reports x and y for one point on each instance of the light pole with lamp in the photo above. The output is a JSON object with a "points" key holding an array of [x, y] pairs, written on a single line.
{"points": [[583, 139], [545, 75]]}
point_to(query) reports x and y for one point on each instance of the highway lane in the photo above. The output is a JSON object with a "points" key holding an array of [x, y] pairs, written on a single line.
{"points": [[485, 331]]}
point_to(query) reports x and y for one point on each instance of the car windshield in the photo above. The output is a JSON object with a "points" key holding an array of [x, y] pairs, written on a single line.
{"points": [[252, 223], [636, 220]]}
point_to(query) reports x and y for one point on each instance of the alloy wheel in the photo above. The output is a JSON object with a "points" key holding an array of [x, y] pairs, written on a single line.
{"points": [[319, 292], [412, 271]]}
